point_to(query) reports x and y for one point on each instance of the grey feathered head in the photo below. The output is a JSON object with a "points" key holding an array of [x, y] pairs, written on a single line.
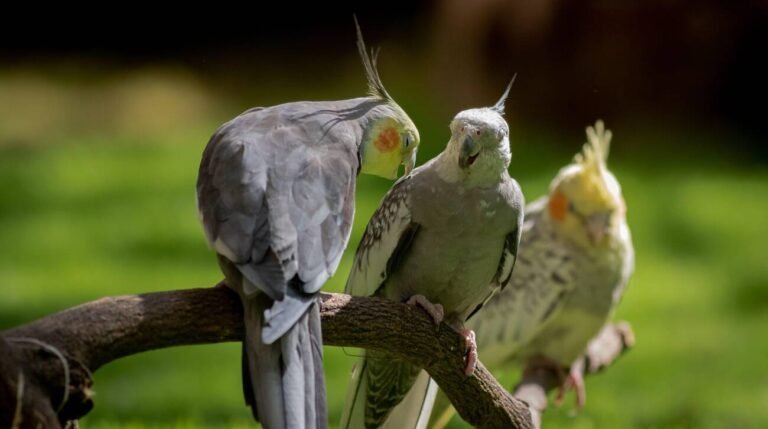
{"points": [[481, 138]]}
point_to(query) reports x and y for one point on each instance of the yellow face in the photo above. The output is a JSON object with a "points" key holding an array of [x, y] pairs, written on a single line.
{"points": [[586, 205], [387, 145]]}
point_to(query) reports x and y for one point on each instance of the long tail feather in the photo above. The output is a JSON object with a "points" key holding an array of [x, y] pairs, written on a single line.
{"points": [[354, 408], [285, 377], [378, 384], [264, 368], [414, 411]]}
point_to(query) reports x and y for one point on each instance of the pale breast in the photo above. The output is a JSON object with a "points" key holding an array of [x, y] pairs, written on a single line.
{"points": [[596, 278], [458, 247]]}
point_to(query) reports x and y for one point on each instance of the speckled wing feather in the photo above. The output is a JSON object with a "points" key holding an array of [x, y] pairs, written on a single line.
{"points": [[385, 241]]}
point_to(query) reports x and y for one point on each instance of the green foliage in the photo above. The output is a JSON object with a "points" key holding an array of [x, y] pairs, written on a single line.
{"points": [[81, 219]]}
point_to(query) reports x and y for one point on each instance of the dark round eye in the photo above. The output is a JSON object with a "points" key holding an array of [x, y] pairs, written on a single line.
{"points": [[477, 133], [463, 127], [407, 140]]}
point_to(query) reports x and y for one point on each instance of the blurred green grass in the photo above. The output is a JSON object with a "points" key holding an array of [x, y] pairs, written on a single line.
{"points": [[89, 216]]}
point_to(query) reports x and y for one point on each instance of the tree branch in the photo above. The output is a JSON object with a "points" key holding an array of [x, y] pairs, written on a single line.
{"points": [[96, 333]]}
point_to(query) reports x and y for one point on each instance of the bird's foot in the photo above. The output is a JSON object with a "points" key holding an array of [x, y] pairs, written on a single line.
{"points": [[471, 350], [606, 346], [573, 379], [435, 311]]}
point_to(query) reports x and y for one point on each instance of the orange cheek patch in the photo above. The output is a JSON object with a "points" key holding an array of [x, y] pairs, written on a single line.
{"points": [[558, 206], [388, 140]]}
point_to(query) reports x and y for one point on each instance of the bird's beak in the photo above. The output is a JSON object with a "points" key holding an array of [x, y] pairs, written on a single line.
{"points": [[597, 226], [410, 162], [469, 152]]}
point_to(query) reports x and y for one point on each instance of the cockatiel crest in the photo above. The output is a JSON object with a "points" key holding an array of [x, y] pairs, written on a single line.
{"points": [[391, 141], [585, 196], [593, 161]]}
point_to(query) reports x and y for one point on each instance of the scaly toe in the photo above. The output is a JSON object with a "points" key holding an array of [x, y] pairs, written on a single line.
{"points": [[435, 311]]}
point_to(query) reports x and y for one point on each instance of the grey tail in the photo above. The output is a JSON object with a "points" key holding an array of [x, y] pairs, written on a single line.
{"points": [[378, 384], [283, 382]]}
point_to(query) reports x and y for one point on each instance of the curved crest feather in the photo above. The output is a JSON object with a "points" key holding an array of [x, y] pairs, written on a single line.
{"points": [[375, 86], [594, 155], [499, 106]]}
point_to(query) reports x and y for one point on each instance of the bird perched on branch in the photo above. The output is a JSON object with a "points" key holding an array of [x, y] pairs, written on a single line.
{"points": [[276, 196], [576, 258], [445, 238]]}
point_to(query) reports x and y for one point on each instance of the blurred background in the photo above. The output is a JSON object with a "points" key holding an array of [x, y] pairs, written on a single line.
{"points": [[104, 115]]}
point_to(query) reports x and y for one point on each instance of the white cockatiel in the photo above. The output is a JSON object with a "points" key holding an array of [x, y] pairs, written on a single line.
{"points": [[445, 237], [576, 258], [276, 196]]}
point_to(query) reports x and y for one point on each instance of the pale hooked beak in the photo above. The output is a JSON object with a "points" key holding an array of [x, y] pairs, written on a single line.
{"points": [[597, 226], [410, 162], [469, 152]]}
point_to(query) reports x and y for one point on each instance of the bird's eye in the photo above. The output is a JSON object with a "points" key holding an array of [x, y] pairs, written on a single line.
{"points": [[407, 140], [571, 207], [463, 127], [477, 133]]}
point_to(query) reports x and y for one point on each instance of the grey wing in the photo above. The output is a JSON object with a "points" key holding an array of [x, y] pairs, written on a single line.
{"points": [[277, 206], [311, 204], [508, 255], [231, 188], [511, 249], [504, 272], [388, 235]]}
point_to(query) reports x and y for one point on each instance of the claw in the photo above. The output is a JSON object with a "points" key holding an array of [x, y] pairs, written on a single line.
{"points": [[471, 347], [435, 311], [571, 380], [575, 381]]}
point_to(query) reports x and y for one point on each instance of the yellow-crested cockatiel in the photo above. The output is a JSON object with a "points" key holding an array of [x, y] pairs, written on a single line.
{"points": [[576, 259]]}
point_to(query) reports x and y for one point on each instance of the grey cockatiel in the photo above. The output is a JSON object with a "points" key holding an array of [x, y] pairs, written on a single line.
{"points": [[276, 195], [445, 237], [576, 258]]}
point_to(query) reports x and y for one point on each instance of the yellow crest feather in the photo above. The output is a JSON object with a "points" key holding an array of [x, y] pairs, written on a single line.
{"points": [[594, 170], [594, 155]]}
